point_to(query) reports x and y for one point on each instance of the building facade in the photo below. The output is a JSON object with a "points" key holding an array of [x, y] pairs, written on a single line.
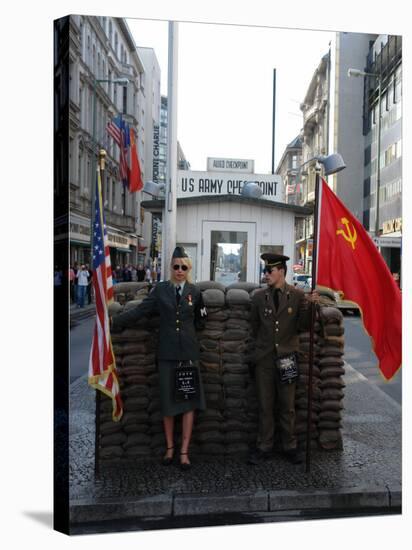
{"points": [[355, 133], [341, 114], [107, 78], [289, 170], [315, 137], [385, 215]]}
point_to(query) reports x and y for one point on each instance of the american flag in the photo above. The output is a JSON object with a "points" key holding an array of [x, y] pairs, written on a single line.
{"points": [[102, 365], [118, 130]]}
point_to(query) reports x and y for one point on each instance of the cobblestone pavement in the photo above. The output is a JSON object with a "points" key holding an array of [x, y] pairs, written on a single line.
{"points": [[370, 460]]}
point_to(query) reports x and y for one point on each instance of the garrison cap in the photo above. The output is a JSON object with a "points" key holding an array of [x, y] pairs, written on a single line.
{"points": [[179, 252], [272, 260]]}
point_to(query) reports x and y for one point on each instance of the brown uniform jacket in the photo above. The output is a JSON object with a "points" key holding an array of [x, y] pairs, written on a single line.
{"points": [[276, 332]]}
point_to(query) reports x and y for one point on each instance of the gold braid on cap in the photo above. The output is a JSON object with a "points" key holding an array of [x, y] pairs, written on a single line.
{"points": [[275, 264]]}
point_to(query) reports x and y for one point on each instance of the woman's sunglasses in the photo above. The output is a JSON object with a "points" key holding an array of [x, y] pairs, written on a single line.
{"points": [[176, 267], [267, 270]]}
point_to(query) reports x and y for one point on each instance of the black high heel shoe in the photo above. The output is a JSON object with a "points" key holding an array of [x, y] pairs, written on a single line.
{"points": [[167, 460], [185, 465]]}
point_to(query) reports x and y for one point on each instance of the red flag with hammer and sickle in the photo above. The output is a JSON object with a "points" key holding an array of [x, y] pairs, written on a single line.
{"points": [[349, 263]]}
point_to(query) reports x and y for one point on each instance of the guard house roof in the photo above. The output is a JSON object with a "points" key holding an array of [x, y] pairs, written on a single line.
{"points": [[158, 204]]}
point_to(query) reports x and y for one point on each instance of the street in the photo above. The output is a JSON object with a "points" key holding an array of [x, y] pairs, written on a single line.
{"points": [[358, 353], [80, 343]]}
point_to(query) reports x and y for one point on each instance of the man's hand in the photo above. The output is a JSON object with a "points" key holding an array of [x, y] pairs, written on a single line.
{"points": [[313, 296]]}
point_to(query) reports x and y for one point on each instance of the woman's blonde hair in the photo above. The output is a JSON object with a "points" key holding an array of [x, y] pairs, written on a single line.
{"points": [[185, 261]]}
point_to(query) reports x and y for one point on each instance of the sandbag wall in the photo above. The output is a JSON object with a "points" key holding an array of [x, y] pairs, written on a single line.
{"points": [[229, 424]]}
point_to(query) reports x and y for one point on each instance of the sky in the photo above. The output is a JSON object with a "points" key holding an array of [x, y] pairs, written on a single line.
{"points": [[225, 86]]}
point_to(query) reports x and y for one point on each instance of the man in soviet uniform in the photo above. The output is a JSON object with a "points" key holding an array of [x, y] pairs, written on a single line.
{"points": [[278, 313]]}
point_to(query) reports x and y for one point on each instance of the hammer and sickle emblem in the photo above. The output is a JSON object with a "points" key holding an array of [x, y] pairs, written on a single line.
{"points": [[349, 236]]}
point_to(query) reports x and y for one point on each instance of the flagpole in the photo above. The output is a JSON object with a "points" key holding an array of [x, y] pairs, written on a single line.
{"points": [[100, 168], [312, 318], [169, 225]]}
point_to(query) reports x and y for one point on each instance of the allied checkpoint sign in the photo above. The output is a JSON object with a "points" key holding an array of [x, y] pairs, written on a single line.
{"points": [[203, 184]]}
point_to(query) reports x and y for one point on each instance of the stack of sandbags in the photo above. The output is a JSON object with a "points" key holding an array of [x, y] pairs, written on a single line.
{"points": [[125, 292], [331, 366], [302, 387], [134, 350], [208, 430], [235, 346]]}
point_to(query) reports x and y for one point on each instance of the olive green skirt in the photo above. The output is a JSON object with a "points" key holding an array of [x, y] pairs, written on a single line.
{"points": [[169, 406]]}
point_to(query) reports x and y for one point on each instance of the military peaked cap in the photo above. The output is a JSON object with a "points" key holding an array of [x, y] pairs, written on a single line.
{"points": [[272, 260], [179, 252]]}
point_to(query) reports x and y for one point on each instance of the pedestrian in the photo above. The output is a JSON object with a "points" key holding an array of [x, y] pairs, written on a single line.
{"points": [[118, 274], [127, 274], [82, 276], [140, 273], [133, 271], [75, 269], [58, 276], [278, 312], [397, 279], [89, 284], [72, 278], [181, 310], [148, 276]]}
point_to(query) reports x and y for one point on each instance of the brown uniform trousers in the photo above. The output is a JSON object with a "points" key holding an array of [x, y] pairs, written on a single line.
{"points": [[276, 334]]}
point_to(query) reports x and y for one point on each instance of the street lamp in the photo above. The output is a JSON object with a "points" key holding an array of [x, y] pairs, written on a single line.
{"points": [[331, 164], [154, 189], [121, 81], [252, 190], [356, 73]]}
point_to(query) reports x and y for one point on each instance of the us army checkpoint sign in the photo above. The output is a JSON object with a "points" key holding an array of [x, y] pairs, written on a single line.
{"points": [[197, 184]]}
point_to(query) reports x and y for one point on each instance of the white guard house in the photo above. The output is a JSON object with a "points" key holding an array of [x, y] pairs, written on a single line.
{"points": [[224, 232]]}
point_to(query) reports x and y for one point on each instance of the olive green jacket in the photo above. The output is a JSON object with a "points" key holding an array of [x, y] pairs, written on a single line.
{"points": [[178, 322], [276, 332]]}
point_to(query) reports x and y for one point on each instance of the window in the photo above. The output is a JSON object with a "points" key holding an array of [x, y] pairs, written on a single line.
{"points": [[124, 99], [94, 59], [367, 156], [366, 219], [116, 43], [88, 54], [80, 168], [110, 32], [366, 187]]}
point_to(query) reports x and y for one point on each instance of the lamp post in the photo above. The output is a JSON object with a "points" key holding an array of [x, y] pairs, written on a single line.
{"points": [[121, 81], [251, 190], [356, 73], [331, 164]]}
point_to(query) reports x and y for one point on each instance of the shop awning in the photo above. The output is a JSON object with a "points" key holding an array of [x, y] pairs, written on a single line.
{"points": [[81, 243]]}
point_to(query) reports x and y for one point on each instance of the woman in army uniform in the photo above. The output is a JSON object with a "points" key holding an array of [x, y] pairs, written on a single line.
{"points": [[180, 306]]}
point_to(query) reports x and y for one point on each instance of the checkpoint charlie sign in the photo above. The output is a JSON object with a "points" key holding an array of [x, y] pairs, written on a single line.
{"points": [[199, 184]]}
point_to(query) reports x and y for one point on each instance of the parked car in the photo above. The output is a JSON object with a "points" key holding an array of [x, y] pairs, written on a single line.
{"points": [[301, 280]]}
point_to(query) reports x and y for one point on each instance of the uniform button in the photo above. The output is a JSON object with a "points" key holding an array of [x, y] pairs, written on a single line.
{"points": [[177, 321], [276, 330], [277, 345], [177, 330], [277, 322]]}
